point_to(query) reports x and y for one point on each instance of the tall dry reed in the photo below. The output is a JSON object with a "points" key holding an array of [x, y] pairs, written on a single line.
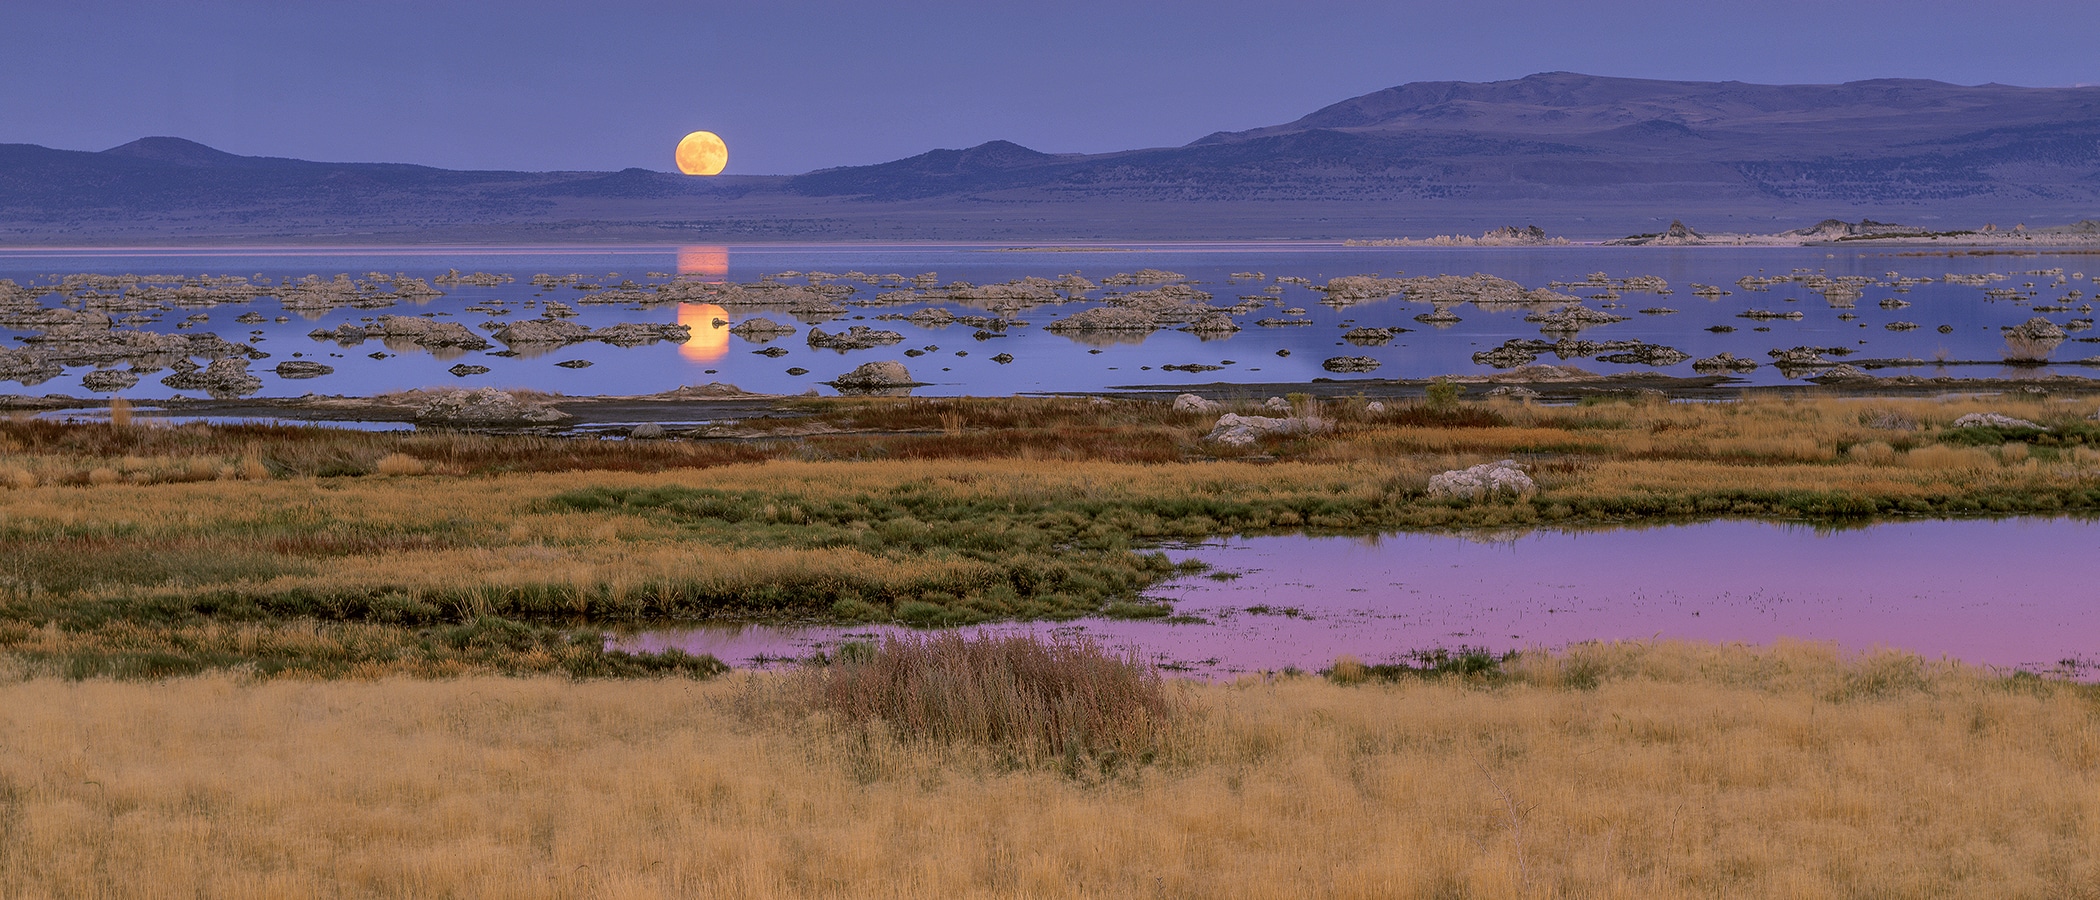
{"points": [[1027, 697]]}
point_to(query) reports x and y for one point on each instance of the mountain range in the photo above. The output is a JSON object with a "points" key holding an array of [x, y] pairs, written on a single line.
{"points": [[1585, 155]]}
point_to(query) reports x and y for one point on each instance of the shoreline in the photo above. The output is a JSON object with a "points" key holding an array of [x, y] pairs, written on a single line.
{"points": [[2072, 245], [1562, 385]]}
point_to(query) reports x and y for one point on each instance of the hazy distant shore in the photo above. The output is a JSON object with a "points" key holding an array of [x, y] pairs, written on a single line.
{"points": [[1096, 228]]}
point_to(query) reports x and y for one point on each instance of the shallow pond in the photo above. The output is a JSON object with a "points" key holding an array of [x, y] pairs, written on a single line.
{"points": [[2007, 592], [1047, 362]]}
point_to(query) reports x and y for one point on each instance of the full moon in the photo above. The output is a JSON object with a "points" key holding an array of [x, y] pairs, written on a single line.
{"points": [[702, 153]]}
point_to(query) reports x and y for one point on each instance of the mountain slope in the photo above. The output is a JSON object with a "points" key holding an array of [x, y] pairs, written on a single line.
{"points": [[1562, 148], [1566, 137]]}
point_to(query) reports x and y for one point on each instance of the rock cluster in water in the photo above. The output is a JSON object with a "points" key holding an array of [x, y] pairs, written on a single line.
{"points": [[1348, 364], [558, 332], [857, 337], [885, 377], [485, 406], [225, 378], [1524, 351]]}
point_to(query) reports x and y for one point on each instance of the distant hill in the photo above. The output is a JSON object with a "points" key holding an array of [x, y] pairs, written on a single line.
{"points": [[1563, 137], [1581, 154]]}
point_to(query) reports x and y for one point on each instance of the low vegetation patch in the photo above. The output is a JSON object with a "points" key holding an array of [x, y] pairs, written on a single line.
{"points": [[1026, 699], [921, 512]]}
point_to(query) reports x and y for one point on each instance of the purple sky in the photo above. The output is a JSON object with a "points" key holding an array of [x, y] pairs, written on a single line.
{"points": [[795, 85]]}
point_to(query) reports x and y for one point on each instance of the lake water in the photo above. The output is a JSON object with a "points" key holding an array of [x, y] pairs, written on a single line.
{"points": [[2008, 593], [1046, 362]]}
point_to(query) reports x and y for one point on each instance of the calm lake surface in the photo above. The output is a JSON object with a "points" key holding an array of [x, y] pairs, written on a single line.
{"points": [[1046, 362], [2007, 592]]}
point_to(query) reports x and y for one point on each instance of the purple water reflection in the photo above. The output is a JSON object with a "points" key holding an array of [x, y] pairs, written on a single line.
{"points": [[2014, 592]]}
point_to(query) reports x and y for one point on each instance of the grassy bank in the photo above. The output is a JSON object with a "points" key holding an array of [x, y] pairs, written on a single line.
{"points": [[156, 550], [1664, 770]]}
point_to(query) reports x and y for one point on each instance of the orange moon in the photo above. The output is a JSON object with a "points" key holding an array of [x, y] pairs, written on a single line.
{"points": [[702, 153], [709, 341]]}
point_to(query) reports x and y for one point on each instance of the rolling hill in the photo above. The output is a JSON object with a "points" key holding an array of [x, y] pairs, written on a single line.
{"points": [[1586, 155]]}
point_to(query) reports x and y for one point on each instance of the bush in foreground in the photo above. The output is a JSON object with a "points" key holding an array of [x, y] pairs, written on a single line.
{"points": [[1026, 698]]}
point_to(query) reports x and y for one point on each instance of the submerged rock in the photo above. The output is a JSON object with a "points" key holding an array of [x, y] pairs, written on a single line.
{"points": [[1484, 480]]}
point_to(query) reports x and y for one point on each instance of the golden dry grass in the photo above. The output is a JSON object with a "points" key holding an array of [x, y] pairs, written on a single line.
{"points": [[1611, 771]]}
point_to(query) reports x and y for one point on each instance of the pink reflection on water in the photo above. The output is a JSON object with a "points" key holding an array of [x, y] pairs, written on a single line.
{"points": [[2006, 593]]}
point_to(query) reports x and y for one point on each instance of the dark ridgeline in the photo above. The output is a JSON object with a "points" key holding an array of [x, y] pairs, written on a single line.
{"points": [[1555, 145]]}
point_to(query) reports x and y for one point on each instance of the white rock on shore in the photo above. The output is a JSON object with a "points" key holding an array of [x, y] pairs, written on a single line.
{"points": [[1994, 420], [1484, 480], [1195, 404], [1235, 430]]}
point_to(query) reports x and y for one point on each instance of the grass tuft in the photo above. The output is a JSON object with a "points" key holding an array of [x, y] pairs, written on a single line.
{"points": [[1027, 698]]}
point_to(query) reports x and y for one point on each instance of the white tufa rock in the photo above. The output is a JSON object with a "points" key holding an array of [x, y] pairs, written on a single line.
{"points": [[1994, 420], [1195, 404], [1239, 431], [1484, 480], [1374, 407], [1276, 404], [1514, 392], [486, 406]]}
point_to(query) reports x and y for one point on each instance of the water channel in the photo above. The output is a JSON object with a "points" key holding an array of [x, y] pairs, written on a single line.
{"points": [[2011, 593]]}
